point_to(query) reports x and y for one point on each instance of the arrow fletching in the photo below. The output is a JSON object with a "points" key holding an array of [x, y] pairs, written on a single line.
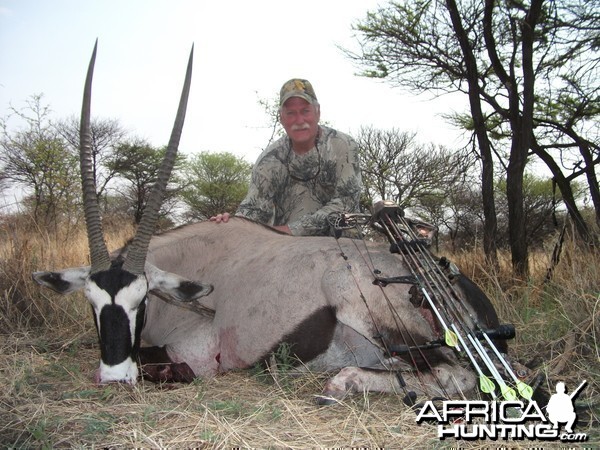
{"points": [[486, 385], [450, 338], [508, 393], [525, 390]]}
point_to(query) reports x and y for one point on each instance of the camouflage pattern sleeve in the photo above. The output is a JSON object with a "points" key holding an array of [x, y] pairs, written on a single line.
{"points": [[265, 182]]}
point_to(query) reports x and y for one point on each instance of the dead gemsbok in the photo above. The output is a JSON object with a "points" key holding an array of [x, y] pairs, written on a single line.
{"points": [[118, 289], [314, 294]]}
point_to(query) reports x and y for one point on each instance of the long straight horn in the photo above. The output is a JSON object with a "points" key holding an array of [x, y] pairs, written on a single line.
{"points": [[136, 256], [98, 252]]}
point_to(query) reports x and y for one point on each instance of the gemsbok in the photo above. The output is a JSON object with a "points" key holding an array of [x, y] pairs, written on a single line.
{"points": [[335, 303]]}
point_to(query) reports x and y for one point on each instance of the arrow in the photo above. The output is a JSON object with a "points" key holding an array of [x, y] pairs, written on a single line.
{"points": [[485, 384], [507, 392], [450, 337], [524, 389]]}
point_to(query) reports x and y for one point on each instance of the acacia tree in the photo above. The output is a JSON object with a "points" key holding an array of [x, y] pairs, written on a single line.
{"points": [[395, 166], [37, 160], [214, 183], [458, 212], [271, 109], [107, 135], [136, 163], [569, 125], [495, 52]]}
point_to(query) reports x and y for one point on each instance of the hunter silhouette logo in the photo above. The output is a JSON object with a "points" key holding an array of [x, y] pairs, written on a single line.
{"points": [[560, 407], [517, 420]]}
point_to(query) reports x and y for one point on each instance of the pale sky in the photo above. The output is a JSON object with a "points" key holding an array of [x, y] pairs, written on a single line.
{"points": [[244, 51]]}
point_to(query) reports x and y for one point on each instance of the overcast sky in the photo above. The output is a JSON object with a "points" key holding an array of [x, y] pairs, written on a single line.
{"points": [[244, 51]]}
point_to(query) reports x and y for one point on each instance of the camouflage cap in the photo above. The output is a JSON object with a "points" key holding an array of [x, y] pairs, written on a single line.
{"points": [[297, 87]]}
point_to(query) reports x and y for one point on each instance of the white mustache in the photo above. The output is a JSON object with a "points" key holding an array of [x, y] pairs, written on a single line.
{"points": [[300, 127]]}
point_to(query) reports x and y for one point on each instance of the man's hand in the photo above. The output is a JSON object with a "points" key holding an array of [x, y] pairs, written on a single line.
{"points": [[283, 228], [220, 218]]}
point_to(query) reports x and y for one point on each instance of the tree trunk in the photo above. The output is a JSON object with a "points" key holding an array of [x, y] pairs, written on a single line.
{"points": [[566, 192], [592, 179], [490, 225], [516, 214]]}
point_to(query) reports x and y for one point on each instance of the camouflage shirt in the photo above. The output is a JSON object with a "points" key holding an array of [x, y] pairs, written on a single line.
{"points": [[302, 190]]}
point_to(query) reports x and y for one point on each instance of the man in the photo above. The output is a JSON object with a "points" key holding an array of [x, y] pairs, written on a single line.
{"points": [[306, 175]]}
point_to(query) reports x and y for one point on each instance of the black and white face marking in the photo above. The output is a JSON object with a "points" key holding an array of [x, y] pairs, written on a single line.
{"points": [[118, 300]]}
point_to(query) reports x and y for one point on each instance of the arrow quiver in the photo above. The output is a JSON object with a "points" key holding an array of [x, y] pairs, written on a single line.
{"points": [[435, 280]]}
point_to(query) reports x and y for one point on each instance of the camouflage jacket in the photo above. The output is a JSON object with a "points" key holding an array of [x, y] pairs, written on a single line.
{"points": [[302, 190]]}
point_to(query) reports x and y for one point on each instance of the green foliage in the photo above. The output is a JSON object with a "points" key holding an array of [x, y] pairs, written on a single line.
{"points": [[98, 425], [540, 207], [395, 166], [40, 434], [215, 183], [137, 162], [461, 213], [530, 70], [37, 160]]}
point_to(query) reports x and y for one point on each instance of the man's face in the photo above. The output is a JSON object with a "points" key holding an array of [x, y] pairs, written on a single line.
{"points": [[300, 120]]}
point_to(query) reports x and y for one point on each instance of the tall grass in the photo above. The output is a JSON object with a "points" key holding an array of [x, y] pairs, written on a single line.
{"points": [[48, 352], [557, 319], [24, 249]]}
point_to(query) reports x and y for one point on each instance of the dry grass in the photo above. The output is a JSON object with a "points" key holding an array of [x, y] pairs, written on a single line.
{"points": [[62, 408], [48, 352]]}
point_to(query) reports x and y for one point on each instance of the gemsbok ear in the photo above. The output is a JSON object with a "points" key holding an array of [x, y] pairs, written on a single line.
{"points": [[169, 284], [64, 281], [178, 288]]}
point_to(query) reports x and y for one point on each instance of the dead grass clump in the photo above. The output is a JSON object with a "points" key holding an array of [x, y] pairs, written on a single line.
{"points": [[21, 253]]}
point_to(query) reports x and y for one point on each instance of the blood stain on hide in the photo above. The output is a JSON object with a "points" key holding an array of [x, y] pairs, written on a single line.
{"points": [[228, 357]]}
